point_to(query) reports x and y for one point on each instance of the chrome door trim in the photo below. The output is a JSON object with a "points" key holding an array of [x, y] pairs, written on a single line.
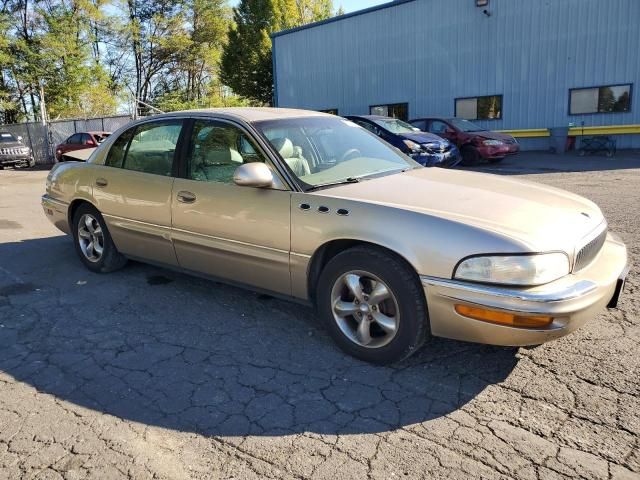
{"points": [[227, 240], [139, 226]]}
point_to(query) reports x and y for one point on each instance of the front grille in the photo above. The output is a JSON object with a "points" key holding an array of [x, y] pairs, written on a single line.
{"points": [[11, 151], [436, 148], [589, 252]]}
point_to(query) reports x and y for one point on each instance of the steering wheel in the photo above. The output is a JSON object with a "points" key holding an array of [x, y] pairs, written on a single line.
{"points": [[352, 152]]}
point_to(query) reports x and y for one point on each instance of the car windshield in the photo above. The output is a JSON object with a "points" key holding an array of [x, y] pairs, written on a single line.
{"points": [[394, 125], [322, 150], [465, 125], [6, 137]]}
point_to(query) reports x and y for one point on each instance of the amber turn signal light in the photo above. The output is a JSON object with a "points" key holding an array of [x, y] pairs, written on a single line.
{"points": [[503, 318]]}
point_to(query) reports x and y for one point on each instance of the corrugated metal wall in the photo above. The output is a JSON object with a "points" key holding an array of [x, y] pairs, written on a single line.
{"points": [[429, 52]]}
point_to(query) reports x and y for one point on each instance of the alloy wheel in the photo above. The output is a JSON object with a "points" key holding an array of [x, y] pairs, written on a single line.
{"points": [[365, 309], [90, 238]]}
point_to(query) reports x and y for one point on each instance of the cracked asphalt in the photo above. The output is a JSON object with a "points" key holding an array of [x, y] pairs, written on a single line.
{"points": [[147, 373]]}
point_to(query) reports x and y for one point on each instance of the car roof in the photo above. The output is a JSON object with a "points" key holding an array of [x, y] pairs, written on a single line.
{"points": [[444, 119], [371, 117], [253, 114]]}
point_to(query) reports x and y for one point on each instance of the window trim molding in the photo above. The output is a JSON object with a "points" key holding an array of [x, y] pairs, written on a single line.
{"points": [[390, 104], [501, 117], [571, 90], [183, 166], [134, 129]]}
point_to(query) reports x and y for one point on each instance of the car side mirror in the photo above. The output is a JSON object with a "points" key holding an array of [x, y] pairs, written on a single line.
{"points": [[254, 174], [19, 138]]}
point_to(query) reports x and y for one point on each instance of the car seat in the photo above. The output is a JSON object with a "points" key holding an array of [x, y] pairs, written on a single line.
{"points": [[215, 160], [292, 155]]}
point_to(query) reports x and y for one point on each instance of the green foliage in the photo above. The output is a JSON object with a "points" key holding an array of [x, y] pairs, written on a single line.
{"points": [[246, 64], [83, 58]]}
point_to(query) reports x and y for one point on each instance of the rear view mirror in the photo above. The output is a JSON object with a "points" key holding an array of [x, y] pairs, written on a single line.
{"points": [[255, 174]]}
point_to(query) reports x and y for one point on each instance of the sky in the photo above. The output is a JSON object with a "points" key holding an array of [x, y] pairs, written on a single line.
{"points": [[348, 5], [353, 5]]}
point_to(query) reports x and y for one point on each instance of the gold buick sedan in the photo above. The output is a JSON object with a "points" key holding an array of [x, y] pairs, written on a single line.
{"points": [[313, 207]]}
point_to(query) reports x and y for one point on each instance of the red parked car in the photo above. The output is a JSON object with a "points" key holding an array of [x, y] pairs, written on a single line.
{"points": [[474, 142], [80, 141]]}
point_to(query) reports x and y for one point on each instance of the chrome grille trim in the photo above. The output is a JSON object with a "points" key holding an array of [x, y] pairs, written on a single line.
{"points": [[11, 151], [589, 250]]}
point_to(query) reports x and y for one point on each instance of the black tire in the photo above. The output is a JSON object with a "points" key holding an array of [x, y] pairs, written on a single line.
{"points": [[110, 259], [495, 160], [470, 156], [413, 324]]}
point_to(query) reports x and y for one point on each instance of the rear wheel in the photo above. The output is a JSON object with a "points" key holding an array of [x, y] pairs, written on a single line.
{"points": [[93, 242], [470, 156], [373, 305]]}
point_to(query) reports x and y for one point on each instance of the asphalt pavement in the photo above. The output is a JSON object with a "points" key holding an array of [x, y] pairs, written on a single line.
{"points": [[147, 373]]}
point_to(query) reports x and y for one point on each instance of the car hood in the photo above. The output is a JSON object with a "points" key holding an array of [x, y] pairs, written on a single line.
{"points": [[421, 137], [492, 135], [539, 217], [11, 145]]}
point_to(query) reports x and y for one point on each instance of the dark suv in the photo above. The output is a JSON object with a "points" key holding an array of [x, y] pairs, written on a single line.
{"points": [[14, 153], [474, 142]]}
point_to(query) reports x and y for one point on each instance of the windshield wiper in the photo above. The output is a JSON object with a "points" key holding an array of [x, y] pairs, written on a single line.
{"points": [[331, 184]]}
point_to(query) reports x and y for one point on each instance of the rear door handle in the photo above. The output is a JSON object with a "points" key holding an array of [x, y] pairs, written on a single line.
{"points": [[186, 197], [101, 182]]}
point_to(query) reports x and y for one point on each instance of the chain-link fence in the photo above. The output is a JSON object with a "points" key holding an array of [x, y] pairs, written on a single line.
{"points": [[43, 138]]}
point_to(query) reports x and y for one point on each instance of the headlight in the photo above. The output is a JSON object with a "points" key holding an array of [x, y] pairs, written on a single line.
{"points": [[413, 146], [492, 143], [530, 270]]}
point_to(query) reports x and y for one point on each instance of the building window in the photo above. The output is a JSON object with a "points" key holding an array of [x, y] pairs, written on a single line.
{"points": [[611, 98], [393, 110], [479, 108], [332, 111]]}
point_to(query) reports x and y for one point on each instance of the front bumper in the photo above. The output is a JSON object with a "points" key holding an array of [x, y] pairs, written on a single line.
{"points": [[56, 212], [26, 160], [450, 157], [501, 151], [571, 301]]}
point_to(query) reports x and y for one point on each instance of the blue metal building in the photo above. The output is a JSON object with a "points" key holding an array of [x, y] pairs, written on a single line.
{"points": [[516, 65]]}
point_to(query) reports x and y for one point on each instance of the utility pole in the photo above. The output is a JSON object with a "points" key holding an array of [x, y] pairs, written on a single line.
{"points": [[43, 106], [45, 127]]}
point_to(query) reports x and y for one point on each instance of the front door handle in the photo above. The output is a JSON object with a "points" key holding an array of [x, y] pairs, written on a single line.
{"points": [[186, 197], [101, 182]]}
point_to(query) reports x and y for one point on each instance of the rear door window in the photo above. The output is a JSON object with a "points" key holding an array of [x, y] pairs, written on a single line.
{"points": [[116, 154], [152, 148], [75, 139]]}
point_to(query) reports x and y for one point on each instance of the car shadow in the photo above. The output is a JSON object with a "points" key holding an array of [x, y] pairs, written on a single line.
{"points": [[153, 346], [529, 163]]}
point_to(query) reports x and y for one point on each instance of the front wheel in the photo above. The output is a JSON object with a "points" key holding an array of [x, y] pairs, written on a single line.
{"points": [[373, 305], [470, 156], [93, 242]]}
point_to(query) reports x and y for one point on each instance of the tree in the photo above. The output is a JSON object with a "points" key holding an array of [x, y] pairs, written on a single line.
{"points": [[246, 64], [48, 47], [192, 80], [622, 103]]}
